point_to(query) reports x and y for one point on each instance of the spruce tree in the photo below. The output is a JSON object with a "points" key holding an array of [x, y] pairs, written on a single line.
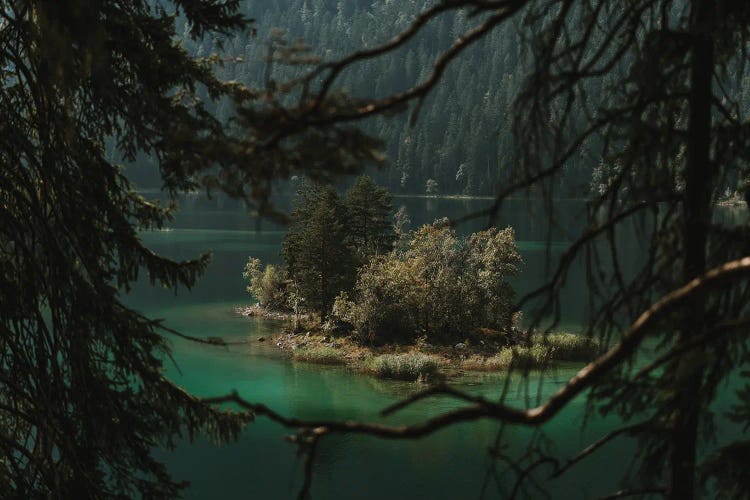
{"points": [[369, 218], [84, 401], [315, 247]]}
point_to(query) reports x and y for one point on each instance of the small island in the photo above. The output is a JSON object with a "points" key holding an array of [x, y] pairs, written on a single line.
{"points": [[359, 288]]}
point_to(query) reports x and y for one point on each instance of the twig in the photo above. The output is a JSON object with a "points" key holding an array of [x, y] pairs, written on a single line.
{"points": [[630, 429], [433, 391]]}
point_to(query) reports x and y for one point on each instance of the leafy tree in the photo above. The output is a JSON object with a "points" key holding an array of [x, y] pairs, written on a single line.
{"points": [[401, 225], [369, 218], [268, 286], [440, 287], [431, 187], [491, 259], [315, 247]]}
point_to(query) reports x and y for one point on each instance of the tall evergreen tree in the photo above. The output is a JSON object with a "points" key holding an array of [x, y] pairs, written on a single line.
{"points": [[315, 247], [84, 401], [83, 398], [369, 218]]}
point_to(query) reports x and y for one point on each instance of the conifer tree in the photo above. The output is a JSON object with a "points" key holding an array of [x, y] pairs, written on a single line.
{"points": [[84, 401], [315, 247], [369, 218]]}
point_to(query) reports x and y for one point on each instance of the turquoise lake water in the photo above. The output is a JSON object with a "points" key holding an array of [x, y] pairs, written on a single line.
{"points": [[453, 463]]}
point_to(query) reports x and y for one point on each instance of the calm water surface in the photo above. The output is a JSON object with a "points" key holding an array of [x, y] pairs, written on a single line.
{"points": [[450, 464]]}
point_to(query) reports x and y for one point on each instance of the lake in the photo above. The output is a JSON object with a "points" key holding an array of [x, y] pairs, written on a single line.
{"points": [[453, 463]]}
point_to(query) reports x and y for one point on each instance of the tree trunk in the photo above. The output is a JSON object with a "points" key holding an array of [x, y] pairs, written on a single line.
{"points": [[697, 209]]}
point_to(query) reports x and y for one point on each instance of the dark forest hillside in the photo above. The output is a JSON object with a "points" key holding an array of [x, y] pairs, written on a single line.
{"points": [[462, 137]]}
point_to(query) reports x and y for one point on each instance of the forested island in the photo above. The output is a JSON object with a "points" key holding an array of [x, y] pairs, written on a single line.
{"points": [[360, 288]]}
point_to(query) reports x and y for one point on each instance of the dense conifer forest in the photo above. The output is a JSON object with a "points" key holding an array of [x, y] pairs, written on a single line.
{"points": [[461, 136]]}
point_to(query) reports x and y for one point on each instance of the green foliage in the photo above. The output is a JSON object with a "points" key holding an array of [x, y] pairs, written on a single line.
{"points": [[542, 350], [269, 286], [440, 287], [319, 261], [431, 187], [408, 366], [535, 357], [369, 218], [490, 259], [569, 346], [401, 223], [321, 355]]}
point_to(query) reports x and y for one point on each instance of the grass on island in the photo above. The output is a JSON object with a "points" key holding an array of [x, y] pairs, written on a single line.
{"points": [[321, 355], [544, 349], [408, 366], [569, 346], [412, 366], [518, 357]]}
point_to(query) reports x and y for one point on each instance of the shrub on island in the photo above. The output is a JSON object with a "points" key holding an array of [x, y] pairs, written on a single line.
{"points": [[439, 288], [321, 355], [268, 285], [408, 366], [569, 346]]}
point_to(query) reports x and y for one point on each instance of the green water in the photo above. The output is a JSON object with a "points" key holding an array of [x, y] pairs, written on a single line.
{"points": [[450, 464]]}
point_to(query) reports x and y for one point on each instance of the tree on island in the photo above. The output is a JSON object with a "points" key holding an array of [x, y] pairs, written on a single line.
{"points": [[268, 285], [315, 248], [440, 288], [369, 220], [401, 223], [326, 241]]}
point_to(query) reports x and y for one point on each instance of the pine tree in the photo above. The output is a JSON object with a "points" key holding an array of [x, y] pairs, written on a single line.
{"points": [[83, 397], [315, 248], [369, 218]]}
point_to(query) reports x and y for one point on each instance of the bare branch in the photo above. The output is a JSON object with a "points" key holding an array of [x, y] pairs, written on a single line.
{"points": [[209, 341], [335, 68], [630, 429], [311, 115], [572, 252], [712, 335], [436, 390]]}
